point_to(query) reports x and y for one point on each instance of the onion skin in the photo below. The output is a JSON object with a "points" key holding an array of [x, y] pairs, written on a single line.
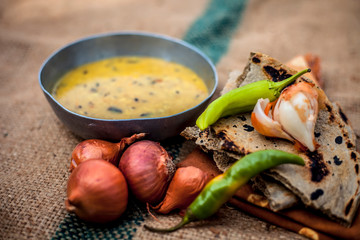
{"points": [[97, 192], [100, 149], [186, 184], [148, 169], [198, 158], [94, 149]]}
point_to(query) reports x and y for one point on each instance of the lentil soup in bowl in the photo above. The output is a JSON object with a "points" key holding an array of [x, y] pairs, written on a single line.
{"points": [[114, 85]]}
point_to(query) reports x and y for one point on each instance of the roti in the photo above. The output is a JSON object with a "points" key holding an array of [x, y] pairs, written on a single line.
{"points": [[330, 180]]}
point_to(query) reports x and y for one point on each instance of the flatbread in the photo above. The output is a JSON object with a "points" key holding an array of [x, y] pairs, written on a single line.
{"points": [[278, 195], [330, 180]]}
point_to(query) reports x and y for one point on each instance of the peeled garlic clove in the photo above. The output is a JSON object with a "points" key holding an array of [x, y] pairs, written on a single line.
{"points": [[296, 111], [264, 124]]}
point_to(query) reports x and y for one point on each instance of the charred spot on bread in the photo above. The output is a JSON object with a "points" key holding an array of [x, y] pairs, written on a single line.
{"points": [[348, 206], [338, 140], [248, 128], [317, 166], [331, 113], [353, 156], [204, 133], [349, 144], [337, 160], [357, 169], [316, 194], [227, 144], [328, 107], [256, 60], [242, 117], [342, 115], [276, 75]]}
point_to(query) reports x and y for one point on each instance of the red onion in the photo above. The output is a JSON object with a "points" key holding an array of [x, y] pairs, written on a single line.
{"points": [[97, 192], [185, 186], [100, 149], [148, 170]]}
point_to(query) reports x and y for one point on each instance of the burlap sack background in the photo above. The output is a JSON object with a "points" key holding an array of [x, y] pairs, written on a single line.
{"points": [[35, 146]]}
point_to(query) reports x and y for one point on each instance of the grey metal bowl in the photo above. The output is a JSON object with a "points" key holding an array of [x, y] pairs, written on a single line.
{"points": [[120, 44]]}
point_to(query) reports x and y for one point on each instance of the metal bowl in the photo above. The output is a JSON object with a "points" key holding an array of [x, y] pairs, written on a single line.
{"points": [[124, 44]]}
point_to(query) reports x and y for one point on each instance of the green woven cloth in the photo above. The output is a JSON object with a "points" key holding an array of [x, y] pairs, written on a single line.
{"points": [[213, 30], [124, 228]]}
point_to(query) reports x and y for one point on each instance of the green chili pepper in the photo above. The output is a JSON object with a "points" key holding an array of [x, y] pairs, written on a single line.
{"points": [[243, 99], [221, 188]]}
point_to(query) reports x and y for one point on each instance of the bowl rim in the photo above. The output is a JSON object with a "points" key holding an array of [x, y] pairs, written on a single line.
{"points": [[134, 33]]}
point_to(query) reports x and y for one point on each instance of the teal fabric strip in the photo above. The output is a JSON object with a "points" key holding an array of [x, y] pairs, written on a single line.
{"points": [[212, 32], [124, 228]]}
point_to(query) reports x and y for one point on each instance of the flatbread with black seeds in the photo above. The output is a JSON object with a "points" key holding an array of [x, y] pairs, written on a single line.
{"points": [[278, 195], [330, 180]]}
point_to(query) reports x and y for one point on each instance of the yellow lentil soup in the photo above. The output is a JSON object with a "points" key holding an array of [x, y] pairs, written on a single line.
{"points": [[130, 87]]}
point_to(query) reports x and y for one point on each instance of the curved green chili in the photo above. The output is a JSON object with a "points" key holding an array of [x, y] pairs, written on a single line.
{"points": [[221, 188], [243, 99]]}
